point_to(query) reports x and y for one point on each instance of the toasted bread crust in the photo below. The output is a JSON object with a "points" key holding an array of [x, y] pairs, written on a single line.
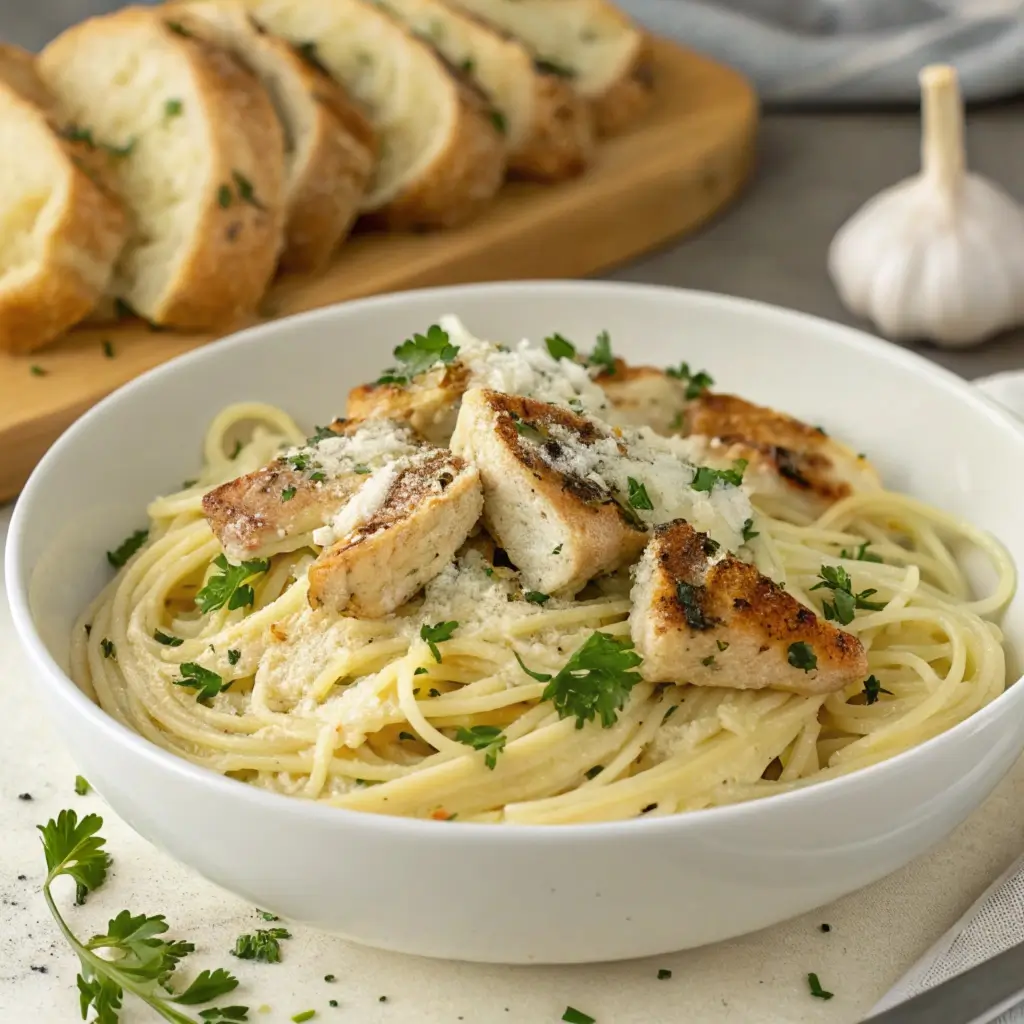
{"points": [[223, 268], [84, 238], [726, 624], [462, 180], [561, 144], [630, 95]]}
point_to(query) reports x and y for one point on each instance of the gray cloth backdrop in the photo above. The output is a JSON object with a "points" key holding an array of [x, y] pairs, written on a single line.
{"points": [[797, 51]]}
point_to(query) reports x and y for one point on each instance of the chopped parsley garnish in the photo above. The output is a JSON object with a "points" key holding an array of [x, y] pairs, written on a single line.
{"points": [[696, 383], [668, 714], [550, 67], [120, 555], [224, 196], [178, 29], [560, 347], [530, 430], [266, 915], [437, 634], [638, 494], [166, 639], [596, 680], [229, 585], [402, 736], [329, 978], [749, 533], [872, 688], [301, 1018], [592, 773], [844, 600], [320, 434], [308, 52], [262, 945], [82, 786], [361, 470], [488, 738], [108, 348], [433, 692], [204, 681], [816, 990], [73, 133], [245, 190], [467, 66], [602, 354], [108, 648], [418, 354], [421, 671], [558, 550], [124, 150], [826, 927], [860, 553], [233, 656], [237, 450], [802, 656], [37, 371], [536, 597], [574, 1016], [664, 973], [499, 122], [722, 645], [287, 494], [688, 597], [133, 956], [709, 661], [705, 478], [173, 108]]}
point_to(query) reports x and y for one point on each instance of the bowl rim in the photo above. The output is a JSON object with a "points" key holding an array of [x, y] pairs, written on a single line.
{"points": [[60, 685]]}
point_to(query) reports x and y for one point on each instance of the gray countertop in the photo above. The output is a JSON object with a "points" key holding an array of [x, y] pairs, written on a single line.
{"points": [[814, 170]]}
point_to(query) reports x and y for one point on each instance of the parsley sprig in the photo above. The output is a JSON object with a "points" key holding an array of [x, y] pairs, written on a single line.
{"points": [[437, 634], [204, 681], [118, 558], [696, 382], [638, 496], [705, 478], [133, 955], [872, 688], [418, 354], [229, 586], [488, 738], [596, 680], [844, 601]]}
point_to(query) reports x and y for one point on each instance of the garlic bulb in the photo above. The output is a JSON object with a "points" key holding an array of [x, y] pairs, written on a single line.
{"points": [[939, 256]]}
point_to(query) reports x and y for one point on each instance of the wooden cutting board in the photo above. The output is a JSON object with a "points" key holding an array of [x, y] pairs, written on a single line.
{"points": [[687, 158]]}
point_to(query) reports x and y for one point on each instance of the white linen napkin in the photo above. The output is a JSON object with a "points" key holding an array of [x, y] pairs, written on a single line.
{"points": [[994, 923]]}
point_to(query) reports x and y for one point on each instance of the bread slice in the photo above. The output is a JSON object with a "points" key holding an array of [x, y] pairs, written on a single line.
{"points": [[441, 158], [547, 125], [591, 43], [60, 230], [330, 148], [196, 154]]}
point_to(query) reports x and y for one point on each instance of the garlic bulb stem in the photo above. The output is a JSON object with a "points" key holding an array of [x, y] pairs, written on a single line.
{"points": [[942, 136]]}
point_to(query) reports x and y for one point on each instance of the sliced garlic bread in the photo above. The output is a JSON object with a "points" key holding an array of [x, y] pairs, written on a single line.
{"points": [[590, 43], [547, 125], [196, 155], [60, 230], [330, 149], [441, 159]]}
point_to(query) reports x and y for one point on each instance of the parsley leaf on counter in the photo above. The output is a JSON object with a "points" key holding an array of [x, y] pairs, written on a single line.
{"points": [[574, 1016], [143, 962], [120, 555], [205, 682], [560, 347], [437, 634], [262, 945], [596, 680], [696, 383], [229, 585], [844, 600], [488, 738], [418, 354], [82, 786], [816, 989]]}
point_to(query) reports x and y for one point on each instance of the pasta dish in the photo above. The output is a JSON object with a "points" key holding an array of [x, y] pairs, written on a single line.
{"points": [[534, 584]]}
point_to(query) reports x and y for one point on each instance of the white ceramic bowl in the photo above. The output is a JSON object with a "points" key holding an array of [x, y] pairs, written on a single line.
{"points": [[522, 894]]}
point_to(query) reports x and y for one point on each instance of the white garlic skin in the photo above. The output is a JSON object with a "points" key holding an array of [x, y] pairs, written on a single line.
{"points": [[923, 265]]}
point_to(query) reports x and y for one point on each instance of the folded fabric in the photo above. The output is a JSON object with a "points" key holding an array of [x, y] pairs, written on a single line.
{"points": [[850, 51]]}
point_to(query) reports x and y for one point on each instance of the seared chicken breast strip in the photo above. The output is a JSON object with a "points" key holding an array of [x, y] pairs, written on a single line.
{"points": [[702, 616]]}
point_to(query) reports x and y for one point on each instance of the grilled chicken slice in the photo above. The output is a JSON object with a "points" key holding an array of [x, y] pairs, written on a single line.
{"points": [[559, 528], [787, 459], [397, 534], [277, 508], [703, 617], [429, 403]]}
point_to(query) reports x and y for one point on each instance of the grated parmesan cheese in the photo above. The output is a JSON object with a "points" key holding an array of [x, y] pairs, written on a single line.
{"points": [[361, 506], [373, 444]]}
